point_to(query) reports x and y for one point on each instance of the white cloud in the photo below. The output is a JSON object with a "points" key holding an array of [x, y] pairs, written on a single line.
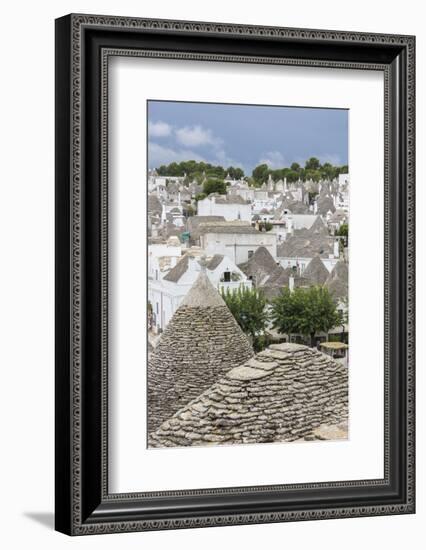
{"points": [[195, 136], [159, 129], [158, 155], [184, 145], [274, 159]]}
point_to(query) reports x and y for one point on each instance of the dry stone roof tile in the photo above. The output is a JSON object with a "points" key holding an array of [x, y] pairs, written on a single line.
{"points": [[229, 199], [304, 244], [337, 281], [201, 342], [154, 204], [261, 266], [283, 394], [215, 261], [227, 227], [178, 270], [316, 272]]}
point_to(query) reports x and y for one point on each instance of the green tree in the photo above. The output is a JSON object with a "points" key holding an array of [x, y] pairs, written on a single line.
{"points": [[314, 175], [286, 311], [192, 169], [265, 226], [214, 186], [235, 173], [328, 171], [312, 164], [292, 175], [202, 170], [304, 311], [162, 170], [343, 231], [189, 210], [277, 174], [200, 196], [260, 173], [248, 306]]}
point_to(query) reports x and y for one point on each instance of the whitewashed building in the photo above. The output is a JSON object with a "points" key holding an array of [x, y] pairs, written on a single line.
{"points": [[263, 204], [301, 221], [237, 240], [167, 292], [343, 179], [231, 207], [162, 257], [243, 190], [298, 251]]}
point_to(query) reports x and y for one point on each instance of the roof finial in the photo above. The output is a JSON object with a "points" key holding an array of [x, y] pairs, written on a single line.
{"points": [[203, 263]]}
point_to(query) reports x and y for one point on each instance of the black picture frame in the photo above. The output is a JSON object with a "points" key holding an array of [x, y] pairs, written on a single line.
{"points": [[83, 45]]}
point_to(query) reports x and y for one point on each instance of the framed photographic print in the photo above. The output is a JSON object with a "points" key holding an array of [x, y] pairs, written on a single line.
{"points": [[234, 274]]}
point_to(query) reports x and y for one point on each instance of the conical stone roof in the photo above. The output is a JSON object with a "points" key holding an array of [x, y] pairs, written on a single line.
{"points": [[337, 281], [261, 266], [287, 392], [316, 272], [319, 227], [201, 342]]}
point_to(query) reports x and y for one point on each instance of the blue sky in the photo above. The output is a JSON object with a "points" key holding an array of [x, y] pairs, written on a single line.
{"points": [[245, 135]]}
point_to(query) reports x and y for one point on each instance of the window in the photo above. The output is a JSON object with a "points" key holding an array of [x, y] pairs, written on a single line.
{"points": [[250, 254], [227, 276]]}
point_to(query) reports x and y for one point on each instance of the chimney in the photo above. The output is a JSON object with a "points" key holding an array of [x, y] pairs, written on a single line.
{"points": [[291, 283], [163, 214], [336, 248]]}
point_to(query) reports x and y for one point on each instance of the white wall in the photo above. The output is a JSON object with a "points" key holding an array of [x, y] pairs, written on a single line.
{"points": [[26, 302], [238, 245], [231, 212]]}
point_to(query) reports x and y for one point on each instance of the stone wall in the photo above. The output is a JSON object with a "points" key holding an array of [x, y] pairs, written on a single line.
{"points": [[287, 392]]}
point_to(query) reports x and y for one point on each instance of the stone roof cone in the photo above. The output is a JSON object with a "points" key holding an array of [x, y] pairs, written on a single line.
{"points": [[201, 342], [203, 294], [337, 281], [261, 266], [316, 271], [288, 392], [319, 226]]}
